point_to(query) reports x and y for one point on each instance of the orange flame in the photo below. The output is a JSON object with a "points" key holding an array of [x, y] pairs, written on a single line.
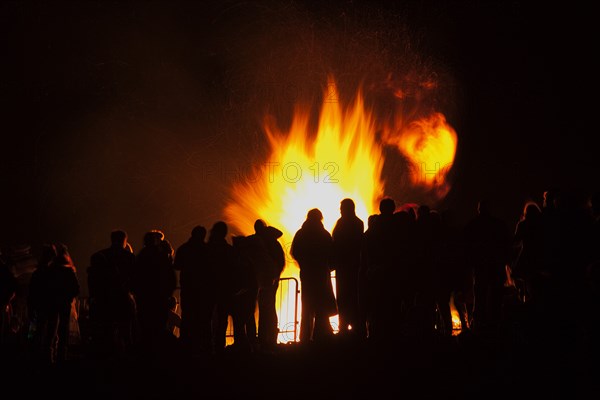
{"points": [[341, 159], [429, 144], [456, 324]]}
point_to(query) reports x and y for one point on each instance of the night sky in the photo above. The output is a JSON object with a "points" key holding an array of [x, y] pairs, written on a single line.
{"points": [[137, 115]]}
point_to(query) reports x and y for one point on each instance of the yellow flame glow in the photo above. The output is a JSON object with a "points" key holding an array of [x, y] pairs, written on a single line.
{"points": [[342, 158]]}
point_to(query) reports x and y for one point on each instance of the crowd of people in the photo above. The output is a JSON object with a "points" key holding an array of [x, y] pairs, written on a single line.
{"points": [[393, 279], [132, 304]]}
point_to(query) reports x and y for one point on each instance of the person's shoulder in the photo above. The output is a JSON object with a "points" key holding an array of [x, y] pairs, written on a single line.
{"points": [[98, 256], [102, 252], [125, 255], [251, 239], [274, 232], [182, 248]]}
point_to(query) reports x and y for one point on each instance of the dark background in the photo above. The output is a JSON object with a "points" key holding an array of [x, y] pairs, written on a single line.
{"points": [[139, 115]]}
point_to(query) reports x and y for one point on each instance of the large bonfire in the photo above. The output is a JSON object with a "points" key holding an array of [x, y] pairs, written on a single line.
{"points": [[343, 158]]}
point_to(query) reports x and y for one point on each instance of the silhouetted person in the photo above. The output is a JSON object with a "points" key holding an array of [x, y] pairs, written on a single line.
{"points": [[383, 272], [36, 310], [53, 288], [112, 308], [487, 240], [222, 261], [22, 264], [347, 238], [366, 288], [244, 300], [406, 273], [197, 281], [312, 248], [269, 261], [529, 243], [154, 282]]}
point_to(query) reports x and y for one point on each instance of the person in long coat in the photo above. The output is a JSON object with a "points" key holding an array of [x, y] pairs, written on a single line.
{"points": [[312, 248]]}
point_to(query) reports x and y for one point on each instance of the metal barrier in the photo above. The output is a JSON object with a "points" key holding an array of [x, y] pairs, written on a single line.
{"points": [[287, 310], [286, 304]]}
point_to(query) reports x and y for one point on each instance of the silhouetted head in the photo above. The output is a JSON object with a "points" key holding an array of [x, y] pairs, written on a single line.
{"points": [[118, 238], [218, 231], [347, 208], [153, 237], [48, 254], [259, 225], [314, 215], [199, 233], [63, 257], [387, 206], [531, 210]]}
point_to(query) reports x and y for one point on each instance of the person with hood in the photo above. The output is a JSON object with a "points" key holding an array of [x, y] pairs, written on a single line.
{"points": [[312, 248], [269, 260]]}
